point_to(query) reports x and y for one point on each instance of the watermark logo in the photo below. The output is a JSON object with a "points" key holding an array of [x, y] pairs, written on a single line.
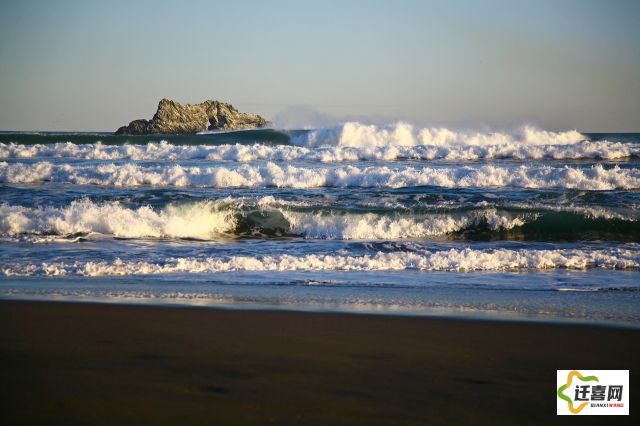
{"points": [[592, 392]]}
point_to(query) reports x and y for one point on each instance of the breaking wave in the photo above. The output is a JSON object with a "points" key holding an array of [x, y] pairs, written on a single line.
{"points": [[374, 226], [232, 217], [201, 220], [595, 177], [466, 259], [350, 142], [211, 219], [403, 134], [164, 151]]}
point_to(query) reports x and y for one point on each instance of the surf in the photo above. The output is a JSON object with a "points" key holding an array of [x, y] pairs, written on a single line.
{"points": [[452, 260], [228, 218], [593, 178]]}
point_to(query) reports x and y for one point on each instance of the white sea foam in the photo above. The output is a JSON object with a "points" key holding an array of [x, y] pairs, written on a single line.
{"points": [[404, 134], [202, 220], [215, 219], [446, 260], [165, 151], [392, 227], [596, 177], [210, 219]]}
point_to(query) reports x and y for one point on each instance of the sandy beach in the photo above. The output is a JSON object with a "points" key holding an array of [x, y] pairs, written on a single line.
{"points": [[82, 363]]}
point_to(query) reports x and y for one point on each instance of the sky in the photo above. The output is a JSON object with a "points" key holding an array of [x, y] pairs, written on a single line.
{"points": [[96, 65]]}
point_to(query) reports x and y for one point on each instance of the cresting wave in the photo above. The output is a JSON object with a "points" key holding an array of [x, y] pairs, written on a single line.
{"points": [[202, 220], [404, 134], [595, 177], [446, 260], [165, 151], [237, 217], [209, 220], [372, 226]]}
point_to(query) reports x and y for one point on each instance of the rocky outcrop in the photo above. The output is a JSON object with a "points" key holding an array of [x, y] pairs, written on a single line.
{"points": [[176, 118]]}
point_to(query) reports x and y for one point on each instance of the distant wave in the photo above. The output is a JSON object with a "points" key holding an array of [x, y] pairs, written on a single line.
{"points": [[228, 217], [273, 175], [164, 151], [403, 134], [444, 260]]}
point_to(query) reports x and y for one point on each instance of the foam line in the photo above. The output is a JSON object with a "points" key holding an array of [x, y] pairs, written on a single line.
{"points": [[595, 177], [466, 259]]}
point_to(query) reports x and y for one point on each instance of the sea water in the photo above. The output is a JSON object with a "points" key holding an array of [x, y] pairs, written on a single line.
{"points": [[358, 218]]}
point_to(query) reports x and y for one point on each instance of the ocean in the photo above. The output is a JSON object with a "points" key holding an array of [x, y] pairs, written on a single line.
{"points": [[395, 219]]}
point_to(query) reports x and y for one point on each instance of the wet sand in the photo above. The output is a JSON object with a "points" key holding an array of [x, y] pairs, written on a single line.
{"points": [[82, 363]]}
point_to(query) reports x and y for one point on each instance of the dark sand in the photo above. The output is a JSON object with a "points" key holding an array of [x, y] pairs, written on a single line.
{"points": [[65, 363]]}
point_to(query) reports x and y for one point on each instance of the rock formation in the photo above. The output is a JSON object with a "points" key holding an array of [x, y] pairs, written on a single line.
{"points": [[176, 118]]}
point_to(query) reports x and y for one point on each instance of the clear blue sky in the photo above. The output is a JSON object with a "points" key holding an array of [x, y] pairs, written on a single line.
{"points": [[95, 65]]}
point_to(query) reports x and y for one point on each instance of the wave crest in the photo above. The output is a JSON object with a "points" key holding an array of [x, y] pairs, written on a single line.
{"points": [[356, 134], [595, 177], [266, 217], [202, 220], [207, 220], [393, 227], [165, 151]]}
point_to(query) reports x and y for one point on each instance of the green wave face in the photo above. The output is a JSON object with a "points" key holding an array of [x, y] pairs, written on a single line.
{"points": [[557, 226]]}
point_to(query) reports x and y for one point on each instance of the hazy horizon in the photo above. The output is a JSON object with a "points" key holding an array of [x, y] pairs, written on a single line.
{"points": [[94, 66]]}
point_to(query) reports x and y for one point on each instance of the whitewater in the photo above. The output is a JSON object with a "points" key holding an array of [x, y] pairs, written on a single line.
{"points": [[395, 218]]}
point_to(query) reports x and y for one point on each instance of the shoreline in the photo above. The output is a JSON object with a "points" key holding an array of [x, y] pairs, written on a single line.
{"points": [[443, 314], [97, 363]]}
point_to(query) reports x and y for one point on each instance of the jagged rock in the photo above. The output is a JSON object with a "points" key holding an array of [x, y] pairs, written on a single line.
{"points": [[176, 118], [136, 127]]}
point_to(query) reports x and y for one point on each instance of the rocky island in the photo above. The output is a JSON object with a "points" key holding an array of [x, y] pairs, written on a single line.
{"points": [[177, 119]]}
